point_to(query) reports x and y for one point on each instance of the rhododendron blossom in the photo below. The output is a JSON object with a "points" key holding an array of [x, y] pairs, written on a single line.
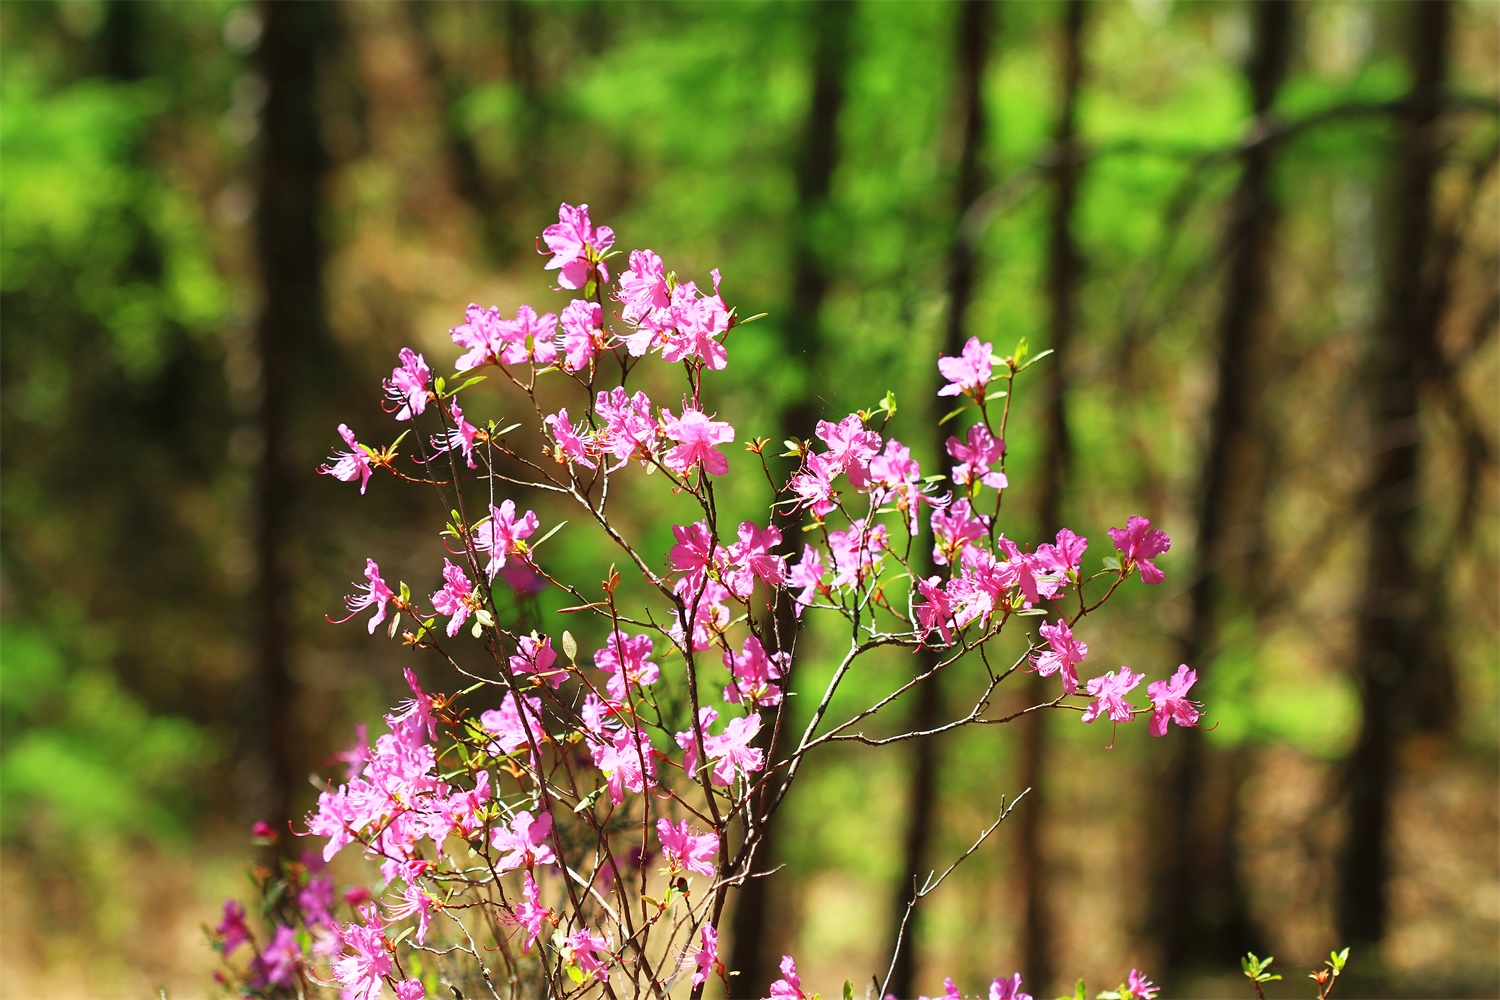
{"points": [[569, 804]]}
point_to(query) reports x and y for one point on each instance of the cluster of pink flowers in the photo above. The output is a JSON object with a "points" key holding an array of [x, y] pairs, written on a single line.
{"points": [[545, 791]]}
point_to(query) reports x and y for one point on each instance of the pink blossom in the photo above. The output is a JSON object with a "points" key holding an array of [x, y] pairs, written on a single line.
{"points": [[482, 334], [408, 384], [699, 436], [571, 445], [1141, 987], [414, 901], [954, 528], [950, 991], [232, 929], [1140, 543], [856, 551], [686, 850], [456, 598], [535, 656], [530, 913], [628, 763], [415, 713], [850, 446], [789, 986], [277, 964], [583, 949], [1064, 653], [807, 574], [1008, 989], [502, 533], [506, 723], [539, 331], [730, 751], [977, 453], [644, 296], [411, 989], [703, 603], [813, 486], [695, 550], [355, 463], [629, 429], [524, 842], [465, 809], [461, 435], [754, 671], [361, 972], [1065, 556], [626, 659], [583, 334], [751, 558], [572, 240], [374, 594], [1169, 701], [968, 373], [708, 955], [1109, 694], [936, 612], [697, 321]]}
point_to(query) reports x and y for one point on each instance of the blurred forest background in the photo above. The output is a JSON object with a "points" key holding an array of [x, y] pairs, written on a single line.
{"points": [[1263, 238]]}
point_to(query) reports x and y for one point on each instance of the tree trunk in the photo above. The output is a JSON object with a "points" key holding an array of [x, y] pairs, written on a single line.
{"points": [[1199, 911], [753, 951], [1390, 654], [1063, 266], [974, 28], [289, 251]]}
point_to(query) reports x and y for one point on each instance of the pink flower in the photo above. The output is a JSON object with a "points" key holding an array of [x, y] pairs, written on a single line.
{"points": [[461, 435], [751, 558], [571, 241], [629, 428], [695, 550], [232, 929], [408, 384], [583, 333], [1140, 543], [950, 991], [968, 373], [502, 533], [539, 331], [512, 731], [977, 453], [583, 949], [697, 321], [530, 913], [456, 598], [1064, 653], [789, 986], [524, 842], [643, 294], [361, 972], [374, 594], [1141, 987], [411, 989], [807, 574], [627, 661], [536, 657], [856, 551], [570, 443], [731, 752], [708, 955], [686, 850], [276, 966], [1008, 989], [936, 612], [954, 528], [699, 436], [850, 446], [1109, 694], [1169, 701], [813, 486], [628, 763], [482, 335], [355, 463], [414, 901], [754, 671], [1065, 556]]}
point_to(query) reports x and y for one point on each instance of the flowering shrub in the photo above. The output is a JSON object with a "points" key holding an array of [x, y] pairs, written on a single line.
{"points": [[572, 821]]}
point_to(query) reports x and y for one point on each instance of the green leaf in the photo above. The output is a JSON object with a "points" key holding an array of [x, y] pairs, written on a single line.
{"points": [[438, 384], [569, 646], [848, 990], [1035, 358], [533, 546], [1017, 360], [390, 630], [953, 414], [1112, 563]]}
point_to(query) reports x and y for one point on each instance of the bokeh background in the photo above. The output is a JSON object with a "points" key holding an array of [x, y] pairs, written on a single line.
{"points": [[1262, 237]]}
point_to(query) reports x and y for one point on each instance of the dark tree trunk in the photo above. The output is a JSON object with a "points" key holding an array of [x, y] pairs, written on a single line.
{"points": [[1198, 908], [754, 950], [1390, 651], [1063, 266], [974, 25], [289, 251]]}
